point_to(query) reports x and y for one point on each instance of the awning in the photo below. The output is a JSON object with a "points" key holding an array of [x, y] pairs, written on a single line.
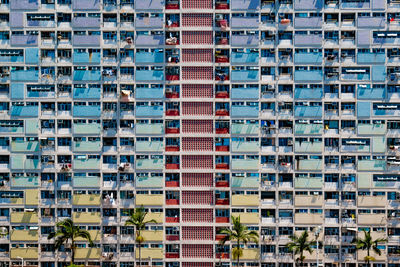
{"points": [[125, 92]]}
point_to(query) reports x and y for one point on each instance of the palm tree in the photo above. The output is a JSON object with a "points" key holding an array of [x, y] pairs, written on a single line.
{"points": [[68, 231], [240, 234], [367, 244], [137, 219], [300, 244]]}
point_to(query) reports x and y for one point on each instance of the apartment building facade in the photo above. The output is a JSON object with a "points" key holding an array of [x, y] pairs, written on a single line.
{"points": [[285, 113]]}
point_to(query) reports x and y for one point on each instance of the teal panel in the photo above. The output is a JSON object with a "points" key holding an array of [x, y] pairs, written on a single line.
{"points": [[149, 182], [363, 109], [248, 182], [32, 55], [83, 181], [17, 161], [307, 182], [379, 73], [17, 91], [31, 126]]}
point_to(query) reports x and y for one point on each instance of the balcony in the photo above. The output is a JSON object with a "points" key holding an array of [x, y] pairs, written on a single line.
{"points": [[86, 40], [149, 164], [24, 75], [245, 40], [87, 75], [308, 58], [372, 219], [87, 217], [24, 235], [149, 182], [20, 162], [87, 111], [149, 111], [308, 4], [362, 254], [24, 40], [94, 234], [308, 147], [149, 93], [87, 200], [86, 181], [308, 40], [87, 253], [308, 218], [248, 217], [309, 165], [157, 216], [149, 75], [308, 129], [244, 4], [149, 200], [355, 148], [152, 235], [371, 201], [12, 59], [308, 111], [149, 40], [153, 253], [86, 5], [251, 254], [24, 181], [309, 22], [371, 58], [24, 146], [355, 76], [355, 5], [86, 163], [25, 253], [152, 146], [308, 75], [308, 182], [24, 217], [247, 129], [149, 22], [87, 128], [245, 111], [87, 146], [245, 22], [85, 22], [149, 57], [153, 128], [243, 146], [245, 164], [86, 58], [245, 75], [245, 200], [244, 57], [149, 4], [309, 201], [371, 165]]}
